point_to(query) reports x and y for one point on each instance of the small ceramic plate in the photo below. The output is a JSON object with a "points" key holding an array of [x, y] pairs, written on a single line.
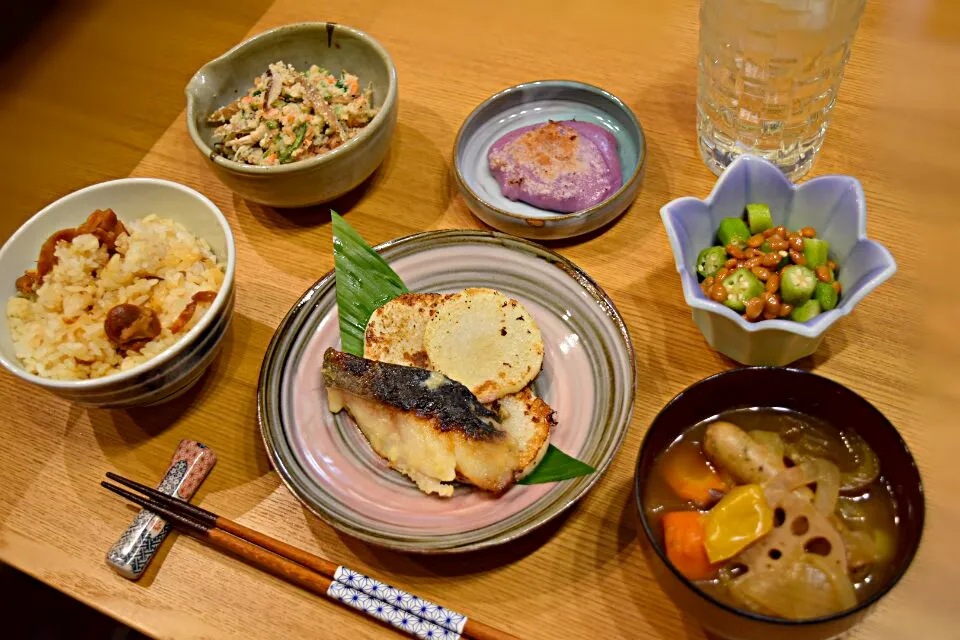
{"points": [[537, 103], [588, 377]]}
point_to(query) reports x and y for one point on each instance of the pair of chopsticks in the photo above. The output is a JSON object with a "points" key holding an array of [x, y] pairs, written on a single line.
{"points": [[399, 609]]}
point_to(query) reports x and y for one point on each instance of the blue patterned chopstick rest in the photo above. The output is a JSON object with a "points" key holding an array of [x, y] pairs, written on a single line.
{"points": [[131, 554]]}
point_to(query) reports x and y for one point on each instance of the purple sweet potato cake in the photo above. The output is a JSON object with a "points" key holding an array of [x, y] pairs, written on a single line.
{"points": [[560, 166]]}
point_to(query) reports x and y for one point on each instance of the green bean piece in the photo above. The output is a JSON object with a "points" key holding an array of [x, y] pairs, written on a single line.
{"points": [[797, 284], [758, 217], [826, 295], [741, 286], [816, 251], [710, 261], [806, 311], [733, 231], [301, 133]]}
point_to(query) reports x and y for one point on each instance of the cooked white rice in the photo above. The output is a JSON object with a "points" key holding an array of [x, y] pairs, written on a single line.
{"points": [[60, 333]]}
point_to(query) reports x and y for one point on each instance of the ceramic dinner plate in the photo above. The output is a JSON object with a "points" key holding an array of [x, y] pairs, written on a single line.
{"points": [[588, 377]]}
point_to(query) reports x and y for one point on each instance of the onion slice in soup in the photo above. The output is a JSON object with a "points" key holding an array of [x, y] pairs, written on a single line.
{"points": [[824, 474], [865, 471], [806, 588], [868, 466], [770, 440]]}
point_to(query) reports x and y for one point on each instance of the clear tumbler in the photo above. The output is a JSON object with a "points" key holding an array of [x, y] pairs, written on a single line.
{"points": [[769, 73]]}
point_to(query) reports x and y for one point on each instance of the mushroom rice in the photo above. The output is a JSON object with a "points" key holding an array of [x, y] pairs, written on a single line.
{"points": [[108, 296]]}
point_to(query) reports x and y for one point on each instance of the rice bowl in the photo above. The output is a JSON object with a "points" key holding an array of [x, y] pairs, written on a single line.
{"points": [[59, 331], [171, 372]]}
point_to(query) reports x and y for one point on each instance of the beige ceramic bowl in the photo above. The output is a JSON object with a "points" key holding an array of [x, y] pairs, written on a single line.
{"points": [[316, 180]]}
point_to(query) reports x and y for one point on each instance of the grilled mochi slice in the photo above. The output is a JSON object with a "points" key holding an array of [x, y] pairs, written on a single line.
{"points": [[529, 421], [425, 425], [394, 333], [486, 341]]}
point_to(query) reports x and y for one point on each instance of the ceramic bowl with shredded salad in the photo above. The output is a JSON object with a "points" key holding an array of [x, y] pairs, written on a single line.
{"points": [[289, 115]]}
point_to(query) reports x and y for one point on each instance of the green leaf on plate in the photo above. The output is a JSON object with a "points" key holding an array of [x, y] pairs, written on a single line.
{"points": [[365, 282], [556, 466]]}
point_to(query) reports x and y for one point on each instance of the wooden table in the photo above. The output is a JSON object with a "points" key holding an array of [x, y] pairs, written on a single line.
{"points": [[584, 575]]}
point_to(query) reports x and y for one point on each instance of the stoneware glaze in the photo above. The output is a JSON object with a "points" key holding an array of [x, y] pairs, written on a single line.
{"points": [[175, 370], [315, 180], [833, 205], [805, 393], [537, 103], [588, 378]]}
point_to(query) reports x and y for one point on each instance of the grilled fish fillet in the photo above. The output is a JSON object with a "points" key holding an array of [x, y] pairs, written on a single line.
{"points": [[395, 334], [427, 426]]}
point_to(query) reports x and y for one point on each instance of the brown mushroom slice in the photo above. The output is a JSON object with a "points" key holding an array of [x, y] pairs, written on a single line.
{"points": [[191, 308], [29, 282], [322, 109], [129, 327], [48, 257], [104, 224]]}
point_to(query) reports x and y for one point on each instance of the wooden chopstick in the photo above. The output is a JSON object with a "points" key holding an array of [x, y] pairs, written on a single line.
{"points": [[403, 611]]}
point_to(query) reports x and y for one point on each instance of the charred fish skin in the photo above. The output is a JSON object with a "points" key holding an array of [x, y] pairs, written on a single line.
{"points": [[425, 393]]}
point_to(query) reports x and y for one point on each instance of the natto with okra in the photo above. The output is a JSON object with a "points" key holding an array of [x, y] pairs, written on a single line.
{"points": [[769, 272]]}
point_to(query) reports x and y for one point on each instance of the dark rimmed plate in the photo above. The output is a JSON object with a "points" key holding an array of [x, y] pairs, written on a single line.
{"points": [[588, 377]]}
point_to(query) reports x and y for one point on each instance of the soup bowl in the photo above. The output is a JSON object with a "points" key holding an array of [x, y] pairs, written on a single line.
{"points": [[814, 396]]}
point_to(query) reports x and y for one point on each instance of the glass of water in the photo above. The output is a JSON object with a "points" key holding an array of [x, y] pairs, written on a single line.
{"points": [[769, 72]]}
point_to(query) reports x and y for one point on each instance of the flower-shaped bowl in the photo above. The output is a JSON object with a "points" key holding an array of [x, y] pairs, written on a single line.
{"points": [[833, 205]]}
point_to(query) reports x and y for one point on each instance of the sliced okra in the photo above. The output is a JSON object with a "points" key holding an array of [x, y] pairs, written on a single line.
{"points": [[733, 231], [797, 284], [806, 311], [741, 286], [710, 260], [816, 252], [826, 296], [758, 217]]}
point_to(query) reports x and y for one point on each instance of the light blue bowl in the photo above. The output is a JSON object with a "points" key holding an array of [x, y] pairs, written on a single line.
{"points": [[833, 205], [535, 103]]}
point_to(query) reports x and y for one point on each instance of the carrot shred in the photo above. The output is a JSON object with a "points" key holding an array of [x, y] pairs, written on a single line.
{"points": [[690, 476], [683, 538]]}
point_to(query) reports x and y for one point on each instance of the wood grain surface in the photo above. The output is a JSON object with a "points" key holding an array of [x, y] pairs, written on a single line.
{"points": [[583, 575]]}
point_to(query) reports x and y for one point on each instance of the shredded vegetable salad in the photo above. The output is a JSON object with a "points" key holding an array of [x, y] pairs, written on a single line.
{"points": [[288, 115]]}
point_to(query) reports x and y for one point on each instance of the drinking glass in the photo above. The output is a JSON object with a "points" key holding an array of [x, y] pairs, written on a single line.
{"points": [[769, 72]]}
